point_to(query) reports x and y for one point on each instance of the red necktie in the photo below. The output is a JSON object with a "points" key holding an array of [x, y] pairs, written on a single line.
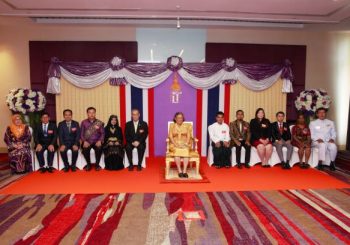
{"points": [[281, 128]]}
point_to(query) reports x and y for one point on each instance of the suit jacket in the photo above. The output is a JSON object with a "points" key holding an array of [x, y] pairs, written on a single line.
{"points": [[276, 134], [260, 129], [236, 134], [50, 139], [140, 135], [69, 138]]}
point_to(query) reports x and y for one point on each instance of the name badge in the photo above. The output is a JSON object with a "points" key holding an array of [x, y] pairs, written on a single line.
{"points": [[263, 125], [285, 129], [50, 132], [141, 130], [74, 129], [223, 131], [245, 128], [318, 127], [97, 127]]}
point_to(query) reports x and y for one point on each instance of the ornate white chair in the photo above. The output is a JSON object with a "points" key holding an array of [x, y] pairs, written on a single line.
{"points": [[194, 155]]}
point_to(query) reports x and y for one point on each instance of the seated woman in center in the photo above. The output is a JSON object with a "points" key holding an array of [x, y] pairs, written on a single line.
{"points": [[180, 135], [301, 138], [113, 145], [260, 129]]}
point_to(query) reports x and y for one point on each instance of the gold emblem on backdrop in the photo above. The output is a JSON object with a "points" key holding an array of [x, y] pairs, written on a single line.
{"points": [[175, 90]]}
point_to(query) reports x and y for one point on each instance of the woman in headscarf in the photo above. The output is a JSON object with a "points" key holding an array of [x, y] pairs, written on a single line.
{"points": [[113, 145], [17, 138]]}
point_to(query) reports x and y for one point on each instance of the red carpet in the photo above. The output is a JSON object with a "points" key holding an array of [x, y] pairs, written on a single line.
{"points": [[148, 181]]}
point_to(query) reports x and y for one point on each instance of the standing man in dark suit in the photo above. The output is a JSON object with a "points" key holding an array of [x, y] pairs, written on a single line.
{"points": [[45, 138], [136, 133], [69, 139], [281, 136], [240, 137]]}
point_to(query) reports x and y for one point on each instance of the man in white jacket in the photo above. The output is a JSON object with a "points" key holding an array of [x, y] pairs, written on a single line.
{"points": [[219, 134], [323, 137]]}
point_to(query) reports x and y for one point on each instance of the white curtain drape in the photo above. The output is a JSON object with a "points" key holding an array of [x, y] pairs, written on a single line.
{"points": [[209, 82]]}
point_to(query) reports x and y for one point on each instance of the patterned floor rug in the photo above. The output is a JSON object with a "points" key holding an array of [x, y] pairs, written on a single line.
{"points": [[257, 217]]}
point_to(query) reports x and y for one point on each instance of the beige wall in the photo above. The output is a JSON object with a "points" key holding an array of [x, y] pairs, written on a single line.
{"points": [[320, 71]]}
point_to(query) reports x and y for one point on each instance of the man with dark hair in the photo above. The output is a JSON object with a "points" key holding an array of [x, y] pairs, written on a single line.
{"points": [[69, 139], [219, 134], [240, 137], [323, 137], [45, 139], [136, 133], [281, 137], [92, 136]]}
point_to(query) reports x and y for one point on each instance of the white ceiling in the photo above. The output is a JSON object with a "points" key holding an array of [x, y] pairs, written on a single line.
{"points": [[289, 11]]}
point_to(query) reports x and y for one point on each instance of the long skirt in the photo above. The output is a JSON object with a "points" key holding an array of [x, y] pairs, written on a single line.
{"points": [[114, 156]]}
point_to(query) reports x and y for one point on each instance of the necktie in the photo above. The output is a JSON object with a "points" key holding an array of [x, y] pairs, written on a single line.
{"points": [[135, 126], [281, 128], [45, 130], [240, 127], [69, 126]]}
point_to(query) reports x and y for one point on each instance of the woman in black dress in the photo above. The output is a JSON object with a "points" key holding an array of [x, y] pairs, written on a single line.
{"points": [[260, 136], [113, 145]]}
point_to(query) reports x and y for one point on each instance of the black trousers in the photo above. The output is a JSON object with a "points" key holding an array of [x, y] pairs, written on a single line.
{"points": [[222, 155], [140, 152], [65, 156], [86, 153], [239, 149], [41, 159]]}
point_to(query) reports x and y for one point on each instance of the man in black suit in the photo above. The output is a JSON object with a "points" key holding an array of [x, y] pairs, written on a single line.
{"points": [[69, 139], [45, 138], [136, 132], [281, 136]]}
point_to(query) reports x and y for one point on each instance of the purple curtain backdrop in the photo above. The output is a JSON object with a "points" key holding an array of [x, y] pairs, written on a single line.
{"points": [[164, 110]]}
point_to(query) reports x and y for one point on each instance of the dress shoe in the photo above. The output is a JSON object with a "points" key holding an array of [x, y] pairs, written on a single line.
{"points": [[239, 165], [247, 165], [87, 167], [50, 169], [185, 175], [287, 165], [227, 166], [42, 170], [332, 166], [139, 168], [98, 167], [65, 169], [181, 175], [217, 166], [283, 165], [320, 166], [74, 168], [131, 168]]}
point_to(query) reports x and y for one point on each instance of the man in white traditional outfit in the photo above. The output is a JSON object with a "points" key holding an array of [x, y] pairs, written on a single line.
{"points": [[323, 136], [219, 133]]}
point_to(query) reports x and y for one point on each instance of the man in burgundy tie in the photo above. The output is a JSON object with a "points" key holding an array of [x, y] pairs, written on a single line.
{"points": [[281, 137]]}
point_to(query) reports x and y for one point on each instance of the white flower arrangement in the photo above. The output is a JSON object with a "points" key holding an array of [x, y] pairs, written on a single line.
{"points": [[25, 100], [230, 62], [175, 61], [309, 101]]}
